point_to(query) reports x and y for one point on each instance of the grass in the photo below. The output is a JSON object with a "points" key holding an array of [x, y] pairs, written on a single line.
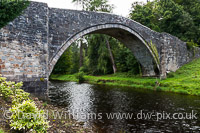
{"points": [[186, 80]]}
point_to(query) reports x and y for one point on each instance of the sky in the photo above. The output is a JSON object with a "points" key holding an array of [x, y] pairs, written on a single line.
{"points": [[122, 7]]}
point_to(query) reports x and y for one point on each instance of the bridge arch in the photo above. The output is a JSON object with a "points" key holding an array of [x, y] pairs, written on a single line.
{"points": [[129, 37], [32, 43]]}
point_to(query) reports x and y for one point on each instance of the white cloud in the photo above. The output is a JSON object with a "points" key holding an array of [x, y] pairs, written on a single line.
{"points": [[122, 7]]}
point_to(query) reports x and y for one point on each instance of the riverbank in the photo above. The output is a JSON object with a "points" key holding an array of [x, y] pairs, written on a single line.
{"points": [[58, 123], [186, 80]]}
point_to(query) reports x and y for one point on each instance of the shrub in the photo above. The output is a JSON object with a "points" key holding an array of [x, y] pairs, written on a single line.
{"points": [[26, 116], [82, 69], [19, 96], [5, 87], [1, 131], [80, 77], [5, 91], [11, 90]]}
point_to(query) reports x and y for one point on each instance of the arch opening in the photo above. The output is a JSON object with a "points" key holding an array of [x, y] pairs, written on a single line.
{"points": [[131, 39]]}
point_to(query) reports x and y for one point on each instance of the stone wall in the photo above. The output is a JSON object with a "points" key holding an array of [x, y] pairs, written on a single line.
{"points": [[24, 47], [177, 53]]}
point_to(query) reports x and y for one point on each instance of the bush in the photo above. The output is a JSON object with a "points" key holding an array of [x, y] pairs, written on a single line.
{"points": [[7, 87], [1, 131], [83, 69], [19, 96], [11, 90], [80, 77], [26, 116], [5, 91]]}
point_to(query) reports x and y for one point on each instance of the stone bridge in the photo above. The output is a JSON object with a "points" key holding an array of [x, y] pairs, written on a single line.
{"points": [[31, 45]]}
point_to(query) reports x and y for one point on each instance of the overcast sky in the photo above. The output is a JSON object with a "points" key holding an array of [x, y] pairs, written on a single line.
{"points": [[122, 7]]}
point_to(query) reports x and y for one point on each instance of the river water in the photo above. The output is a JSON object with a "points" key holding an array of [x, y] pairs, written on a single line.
{"points": [[114, 109]]}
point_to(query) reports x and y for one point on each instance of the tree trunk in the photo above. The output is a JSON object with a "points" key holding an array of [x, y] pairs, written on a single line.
{"points": [[111, 56], [81, 54]]}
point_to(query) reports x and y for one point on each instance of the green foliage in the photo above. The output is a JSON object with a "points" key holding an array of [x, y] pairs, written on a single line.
{"points": [[177, 17], [64, 64], [63, 77], [193, 8], [45, 104], [125, 60], [75, 58], [93, 45], [5, 90], [19, 96], [80, 77], [11, 90], [104, 65], [94, 5], [82, 69], [26, 116], [10, 9], [97, 60], [145, 14], [191, 45], [155, 51], [1, 131]]}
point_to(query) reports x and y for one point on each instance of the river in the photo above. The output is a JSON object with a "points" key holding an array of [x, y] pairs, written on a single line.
{"points": [[114, 109]]}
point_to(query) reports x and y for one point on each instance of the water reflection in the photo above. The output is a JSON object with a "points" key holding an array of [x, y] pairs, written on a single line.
{"points": [[87, 100]]}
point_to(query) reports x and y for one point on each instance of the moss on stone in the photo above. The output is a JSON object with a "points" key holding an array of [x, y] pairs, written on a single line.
{"points": [[154, 51]]}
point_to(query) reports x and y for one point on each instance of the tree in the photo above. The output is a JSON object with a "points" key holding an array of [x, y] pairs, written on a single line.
{"points": [[100, 66], [10, 9], [111, 56], [75, 58], [94, 5], [125, 60], [104, 63], [81, 54], [64, 64], [91, 5], [145, 14], [193, 8], [171, 16]]}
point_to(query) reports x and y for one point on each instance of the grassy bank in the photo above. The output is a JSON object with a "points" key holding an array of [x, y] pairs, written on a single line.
{"points": [[186, 80]]}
